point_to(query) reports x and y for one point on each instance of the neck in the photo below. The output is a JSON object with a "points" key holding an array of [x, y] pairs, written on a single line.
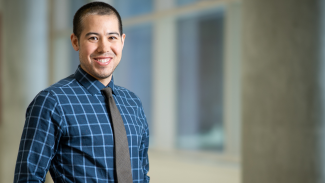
{"points": [[105, 81]]}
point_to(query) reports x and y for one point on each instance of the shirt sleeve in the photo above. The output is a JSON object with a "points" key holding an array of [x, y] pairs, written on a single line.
{"points": [[39, 140], [144, 149]]}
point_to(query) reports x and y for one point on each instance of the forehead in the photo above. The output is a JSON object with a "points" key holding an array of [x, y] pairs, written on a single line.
{"points": [[93, 22]]}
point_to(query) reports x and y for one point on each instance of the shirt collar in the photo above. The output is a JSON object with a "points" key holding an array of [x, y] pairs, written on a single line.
{"points": [[90, 83]]}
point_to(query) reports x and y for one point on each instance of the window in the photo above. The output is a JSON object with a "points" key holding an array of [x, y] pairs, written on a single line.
{"points": [[129, 8], [185, 2], [200, 81]]}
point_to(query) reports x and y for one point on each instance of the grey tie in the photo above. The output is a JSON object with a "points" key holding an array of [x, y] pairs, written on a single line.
{"points": [[122, 156]]}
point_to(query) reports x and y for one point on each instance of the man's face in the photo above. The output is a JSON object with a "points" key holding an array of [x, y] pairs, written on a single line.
{"points": [[100, 46]]}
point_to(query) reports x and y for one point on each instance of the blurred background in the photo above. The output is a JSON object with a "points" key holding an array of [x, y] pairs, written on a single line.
{"points": [[232, 89]]}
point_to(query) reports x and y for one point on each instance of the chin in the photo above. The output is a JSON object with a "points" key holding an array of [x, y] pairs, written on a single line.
{"points": [[103, 76]]}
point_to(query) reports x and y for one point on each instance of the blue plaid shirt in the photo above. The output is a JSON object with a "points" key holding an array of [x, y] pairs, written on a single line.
{"points": [[68, 132]]}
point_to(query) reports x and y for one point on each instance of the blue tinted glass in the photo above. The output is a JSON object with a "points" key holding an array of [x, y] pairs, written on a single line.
{"points": [[74, 6], [185, 2], [128, 8], [134, 70], [200, 82]]}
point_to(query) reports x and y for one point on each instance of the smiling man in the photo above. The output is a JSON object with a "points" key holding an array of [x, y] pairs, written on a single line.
{"points": [[85, 128]]}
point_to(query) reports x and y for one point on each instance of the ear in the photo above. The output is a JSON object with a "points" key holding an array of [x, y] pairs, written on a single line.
{"points": [[74, 42], [123, 39]]}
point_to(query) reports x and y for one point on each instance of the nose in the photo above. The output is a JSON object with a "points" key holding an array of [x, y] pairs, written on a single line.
{"points": [[103, 46]]}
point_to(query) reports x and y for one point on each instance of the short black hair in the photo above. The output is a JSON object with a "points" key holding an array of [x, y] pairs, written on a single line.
{"points": [[97, 8]]}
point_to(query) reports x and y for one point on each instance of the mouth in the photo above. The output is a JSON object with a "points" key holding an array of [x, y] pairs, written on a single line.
{"points": [[103, 60]]}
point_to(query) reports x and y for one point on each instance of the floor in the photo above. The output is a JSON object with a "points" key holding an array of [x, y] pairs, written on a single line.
{"points": [[175, 168]]}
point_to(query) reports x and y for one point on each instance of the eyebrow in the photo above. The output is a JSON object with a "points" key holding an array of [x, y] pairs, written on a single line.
{"points": [[110, 33], [114, 33]]}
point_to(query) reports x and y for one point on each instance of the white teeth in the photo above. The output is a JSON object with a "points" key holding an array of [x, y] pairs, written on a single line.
{"points": [[103, 60]]}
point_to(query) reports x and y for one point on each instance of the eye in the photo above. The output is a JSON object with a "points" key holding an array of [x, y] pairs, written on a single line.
{"points": [[93, 38], [112, 37]]}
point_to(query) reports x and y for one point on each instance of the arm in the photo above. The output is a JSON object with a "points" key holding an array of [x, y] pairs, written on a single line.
{"points": [[39, 140], [143, 153]]}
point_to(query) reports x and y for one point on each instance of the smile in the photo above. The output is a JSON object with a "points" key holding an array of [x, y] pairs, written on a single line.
{"points": [[103, 61]]}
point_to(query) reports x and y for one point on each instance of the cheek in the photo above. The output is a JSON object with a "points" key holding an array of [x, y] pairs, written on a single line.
{"points": [[117, 49], [88, 50]]}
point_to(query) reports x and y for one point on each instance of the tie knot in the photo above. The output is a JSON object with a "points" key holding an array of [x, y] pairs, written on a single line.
{"points": [[107, 91]]}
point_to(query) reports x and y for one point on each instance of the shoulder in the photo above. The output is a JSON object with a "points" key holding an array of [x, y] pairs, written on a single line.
{"points": [[49, 96], [56, 88], [127, 94]]}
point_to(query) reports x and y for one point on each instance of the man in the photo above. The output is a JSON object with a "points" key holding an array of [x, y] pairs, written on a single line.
{"points": [[70, 127]]}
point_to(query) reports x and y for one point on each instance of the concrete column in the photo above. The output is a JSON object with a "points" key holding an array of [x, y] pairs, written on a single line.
{"points": [[164, 84], [281, 108], [60, 60], [232, 78], [164, 89], [23, 72]]}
